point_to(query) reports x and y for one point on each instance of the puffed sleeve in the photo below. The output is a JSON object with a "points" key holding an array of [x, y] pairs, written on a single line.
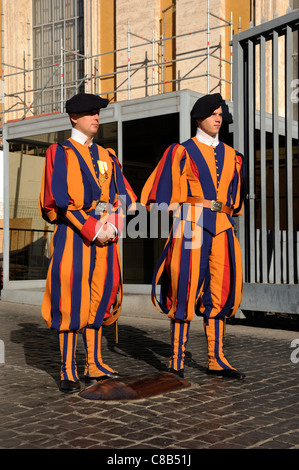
{"points": [[167, 183], [54, 199]]}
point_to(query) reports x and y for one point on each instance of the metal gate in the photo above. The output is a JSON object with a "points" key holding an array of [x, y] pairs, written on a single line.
{"points": [[265, 96]]}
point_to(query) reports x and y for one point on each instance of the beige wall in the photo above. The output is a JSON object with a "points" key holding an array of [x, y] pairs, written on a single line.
{"points": [[142, 18], [16, 15], [192, 16]]}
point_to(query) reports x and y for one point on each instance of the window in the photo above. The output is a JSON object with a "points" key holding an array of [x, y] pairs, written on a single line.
{"points": [[58, 38]]}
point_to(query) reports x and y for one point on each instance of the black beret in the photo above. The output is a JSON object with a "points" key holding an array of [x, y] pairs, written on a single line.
{"points": [[205, 106], [85, 102]]}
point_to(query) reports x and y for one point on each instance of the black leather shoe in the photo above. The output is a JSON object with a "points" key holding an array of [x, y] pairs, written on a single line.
{"points": [[180, 372], [229, 373], [91, 380], [68, 386]]}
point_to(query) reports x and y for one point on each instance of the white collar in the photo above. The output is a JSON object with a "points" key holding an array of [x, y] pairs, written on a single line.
{"points": [[205, 138], [79, 137]]}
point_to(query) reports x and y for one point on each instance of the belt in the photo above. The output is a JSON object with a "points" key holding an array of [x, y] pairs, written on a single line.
{"points": [[215, 206], [99, 206]]}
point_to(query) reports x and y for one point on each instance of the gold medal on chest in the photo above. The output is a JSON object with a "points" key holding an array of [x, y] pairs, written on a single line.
{"points": [[103, 177], [103, 171]]}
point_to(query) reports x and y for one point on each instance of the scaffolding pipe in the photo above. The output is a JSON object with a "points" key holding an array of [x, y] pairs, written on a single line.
{"points": [[76, 83], [208, 47], [125, 90], [71, 83], [45, 86], [120, 50], [61, 77], [87, 72], [153, 63], [28, 58], [231, 54], [134, 70], [129, 62], [2, 60]]}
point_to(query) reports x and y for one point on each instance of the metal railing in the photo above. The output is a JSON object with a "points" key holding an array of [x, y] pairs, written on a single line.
{"points": [[267, 135]]}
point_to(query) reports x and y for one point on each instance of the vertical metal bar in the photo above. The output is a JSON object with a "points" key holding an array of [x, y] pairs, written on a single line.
{"points": [[263, 182], [153, 66], [24, 77], [61, 76], [251, 161], [185, 124], [238, 90], [231, 55], [91, 51], [87, 71], [238, 131], [76, 49], [5, 207], [2, 65], [129, 61], [163, 55], [28, 62], [275, 136], [208, 48], [289, 152]]}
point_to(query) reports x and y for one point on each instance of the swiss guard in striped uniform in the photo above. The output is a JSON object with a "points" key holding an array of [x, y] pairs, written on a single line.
{"points": [[85, 195], [200, 268]]}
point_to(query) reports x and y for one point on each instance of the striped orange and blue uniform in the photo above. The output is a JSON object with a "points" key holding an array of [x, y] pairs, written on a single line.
{"points": [[203, 274], [70, 187], [84, 283], [179, 335]]}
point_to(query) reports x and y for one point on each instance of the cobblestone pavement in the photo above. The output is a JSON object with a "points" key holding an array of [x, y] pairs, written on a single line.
{"points": [[260, 412]]}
